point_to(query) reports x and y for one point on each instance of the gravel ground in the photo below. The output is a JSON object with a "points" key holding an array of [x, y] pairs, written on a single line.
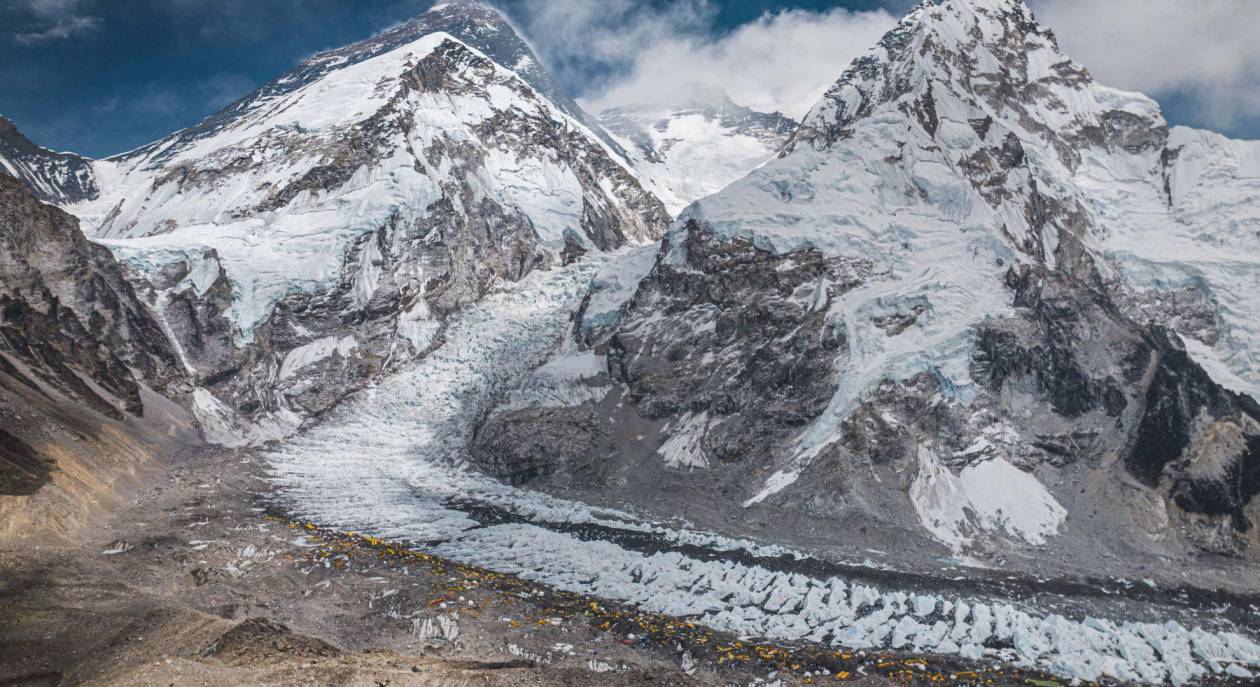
{"points": [[193, 581]]}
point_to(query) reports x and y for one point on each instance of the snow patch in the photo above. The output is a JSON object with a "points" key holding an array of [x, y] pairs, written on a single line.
{"points": [[776, 483], [1009, 500], [1210, 360], [223, 426], [315, 351], [990, 495], [615, 284], [683, 449]]}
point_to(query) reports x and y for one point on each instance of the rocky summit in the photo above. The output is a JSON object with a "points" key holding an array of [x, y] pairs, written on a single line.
{"points": [[53, 177]]}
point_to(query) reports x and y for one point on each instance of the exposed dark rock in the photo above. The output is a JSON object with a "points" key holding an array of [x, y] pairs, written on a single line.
{"points": [[735, 335], [68, 313], [757, 353], [897, 323], [1200, 437], [53, 177], [22, 470], [1183, 427], [557, 445]]}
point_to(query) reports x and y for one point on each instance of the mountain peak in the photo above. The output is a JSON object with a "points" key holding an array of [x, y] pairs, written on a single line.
{"points": [[52, 176], [981, 59], [458, 16], [695, 97], [455, 6], [692, 140], [476, 24], [690, 94]]}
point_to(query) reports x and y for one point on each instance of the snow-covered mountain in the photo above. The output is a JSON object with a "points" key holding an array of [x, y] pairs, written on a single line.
{"points": [[979, 309], [979, 299], [53, 177], [325, 226], [693, 141]]}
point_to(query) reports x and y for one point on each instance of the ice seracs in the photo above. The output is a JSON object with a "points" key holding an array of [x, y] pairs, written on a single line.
{"points": [[408, 480]]}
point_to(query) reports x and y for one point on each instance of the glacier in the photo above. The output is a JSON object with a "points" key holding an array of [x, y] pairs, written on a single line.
{"points": [[390, 462]]}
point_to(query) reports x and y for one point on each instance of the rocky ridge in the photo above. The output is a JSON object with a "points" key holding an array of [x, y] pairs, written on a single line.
{"points": [[53, 177], [83, 364], [68, 316]]}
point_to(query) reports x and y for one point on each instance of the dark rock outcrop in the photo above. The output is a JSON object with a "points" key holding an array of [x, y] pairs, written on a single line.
{"points": [[53, 177], [733, 340], [22, 470], [758, 350], [83, 364], [68, 313]]}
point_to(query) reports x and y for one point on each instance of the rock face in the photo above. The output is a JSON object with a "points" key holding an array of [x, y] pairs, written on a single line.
{"points": [[68, 316], [57, 178], [22, 470], [326, 226], [82, 365], [693, 141], [978, 299]]}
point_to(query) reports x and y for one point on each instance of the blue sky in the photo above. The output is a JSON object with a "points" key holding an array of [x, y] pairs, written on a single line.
{"points": [[103, 76]]}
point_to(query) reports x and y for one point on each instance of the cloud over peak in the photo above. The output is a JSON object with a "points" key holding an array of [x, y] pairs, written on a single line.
{"points": [[1199, 58], [627, 50]]}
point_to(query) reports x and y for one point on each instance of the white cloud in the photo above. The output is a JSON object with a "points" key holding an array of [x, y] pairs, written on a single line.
{"points": [[632, 50], [1200, 58], [56, 19], [1204, 52], [53, 8]]}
